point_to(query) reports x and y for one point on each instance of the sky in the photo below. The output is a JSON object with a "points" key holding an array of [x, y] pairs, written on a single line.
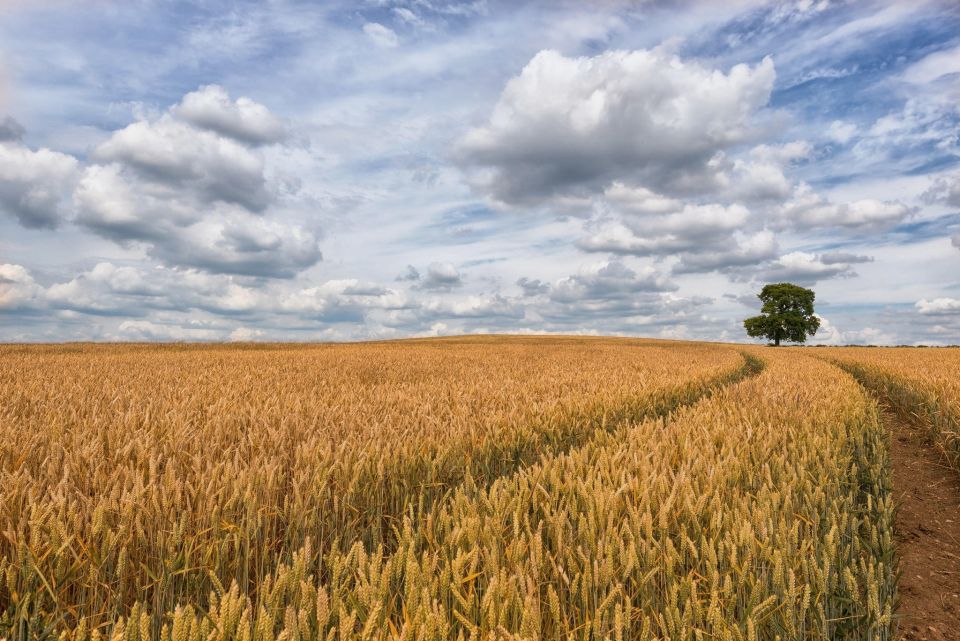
{"points": [[327, 171]]}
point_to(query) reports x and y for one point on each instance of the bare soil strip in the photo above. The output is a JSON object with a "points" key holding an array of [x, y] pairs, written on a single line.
{"points": [[928, 534]]}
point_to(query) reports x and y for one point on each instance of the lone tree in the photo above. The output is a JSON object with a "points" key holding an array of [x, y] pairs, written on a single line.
{"points": [[787, 314]]}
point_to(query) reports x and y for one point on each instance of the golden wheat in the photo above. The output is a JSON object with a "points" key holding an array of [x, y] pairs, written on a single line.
{"points": [[761, 512], [151, 475], [922, 384]]}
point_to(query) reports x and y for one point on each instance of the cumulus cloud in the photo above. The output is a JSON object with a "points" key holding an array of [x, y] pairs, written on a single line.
{"points": [[568, 125], [639, 200], [241, 244], [807, 209], [210, 107], [704, 238], [477, 306], [191, 186], [116, 290], [172, 156], [938, 306], [615, 295], [106, 289], [805, 268], [758, 176], [344, 300], [694, 227], [607, 281], [830, 334], [34, 184], [178, 296], [955, 239], [742, 254], [610, 293], [758, 259], [441, 277], [533, 286], [17, 287]]}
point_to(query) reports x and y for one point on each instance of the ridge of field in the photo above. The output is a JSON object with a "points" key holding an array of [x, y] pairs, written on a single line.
{"points": [[152, 473], [762, 511], [923, 385]]}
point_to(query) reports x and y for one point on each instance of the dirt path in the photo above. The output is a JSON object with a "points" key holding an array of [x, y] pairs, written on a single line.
{"points": [[928, 535]]}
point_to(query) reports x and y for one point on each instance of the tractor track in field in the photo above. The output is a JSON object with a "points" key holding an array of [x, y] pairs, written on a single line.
{"points": [[927, 529], [926, 493]]}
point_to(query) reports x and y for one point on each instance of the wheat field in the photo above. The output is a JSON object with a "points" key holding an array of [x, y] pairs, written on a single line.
{"points": [[922, 384], [468, 488]]}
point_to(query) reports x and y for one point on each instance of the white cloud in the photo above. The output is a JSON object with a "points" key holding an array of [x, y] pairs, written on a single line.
{"points": [[381, 36], [841, 131], [441, 276], [532, 286], [806, 209], [473, 307], [782, 154], [173, 156], [17, 287], [830, 334], [756, 181], [693, 228], [177, 229], [344, 300], [210, 107], [606, 281], [639, 200], [903, 138], [806, 268], [584, 123], [933, 67], [33, 184], [144, 330], [757, 176], [938, 306], [245, 335], [704, 238], [109, 290], [743, 253], [193, 196]]}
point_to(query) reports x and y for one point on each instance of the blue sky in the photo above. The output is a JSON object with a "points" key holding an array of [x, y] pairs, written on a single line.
{"points": [[337, 171]]}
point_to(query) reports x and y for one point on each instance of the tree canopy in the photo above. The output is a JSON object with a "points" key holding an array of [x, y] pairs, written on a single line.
{"points": [[786, 314]]}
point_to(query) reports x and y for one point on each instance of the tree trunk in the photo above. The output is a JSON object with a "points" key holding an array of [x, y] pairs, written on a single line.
{"points": [[776, 340]]}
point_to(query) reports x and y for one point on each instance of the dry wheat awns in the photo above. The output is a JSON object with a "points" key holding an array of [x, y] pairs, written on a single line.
{"points": [[461, 489]]}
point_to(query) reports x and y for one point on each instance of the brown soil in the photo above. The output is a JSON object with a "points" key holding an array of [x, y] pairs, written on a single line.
{"points": [[928, 535]]}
